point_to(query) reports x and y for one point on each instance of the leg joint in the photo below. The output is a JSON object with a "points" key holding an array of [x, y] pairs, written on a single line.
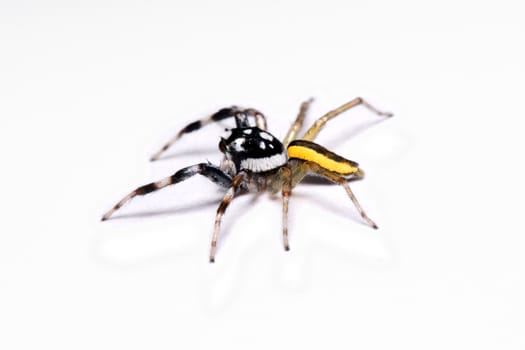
{"points": [[146, 189]]}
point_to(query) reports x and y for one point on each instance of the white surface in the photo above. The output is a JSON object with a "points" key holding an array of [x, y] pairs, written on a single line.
{"points": [[89, 90]]}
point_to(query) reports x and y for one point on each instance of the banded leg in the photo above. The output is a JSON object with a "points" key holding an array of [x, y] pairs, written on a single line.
{"points": [[301, 167], [320, 123], [234, 186], [241, 118], [298, 123], [286, 176], [260, 119], [210, 171]]}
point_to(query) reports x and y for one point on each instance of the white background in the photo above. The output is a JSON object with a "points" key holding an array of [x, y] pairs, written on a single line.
{"points": [[90, 89]]}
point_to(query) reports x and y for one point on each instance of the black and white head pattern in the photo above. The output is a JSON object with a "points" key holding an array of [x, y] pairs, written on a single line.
{"points": [[253, 149]]}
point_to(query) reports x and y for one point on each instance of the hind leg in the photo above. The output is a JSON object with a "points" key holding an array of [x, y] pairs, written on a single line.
{"points": [[341, 180]]}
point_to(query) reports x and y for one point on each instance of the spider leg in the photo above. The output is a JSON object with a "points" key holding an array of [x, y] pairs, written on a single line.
{"points": [[320, 123], [240, 115], [285, 175], [307, 157], [234, 186], [210, 171], [341, 180], [260, 119], [298, 123]]}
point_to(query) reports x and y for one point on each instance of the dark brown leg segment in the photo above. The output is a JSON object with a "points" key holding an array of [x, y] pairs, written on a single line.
{"points": [[235, 183]]}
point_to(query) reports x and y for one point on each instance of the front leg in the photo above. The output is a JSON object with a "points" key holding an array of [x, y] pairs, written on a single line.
{"points": [[210, 171], [234, 186], [241, 120]]}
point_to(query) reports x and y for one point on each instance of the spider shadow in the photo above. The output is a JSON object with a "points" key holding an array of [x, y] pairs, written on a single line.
{"points": [[315, 180], [185, 208], [361, 127], [328, 206], [203, 151], [346, 211], [343, 137], [310, 180]]}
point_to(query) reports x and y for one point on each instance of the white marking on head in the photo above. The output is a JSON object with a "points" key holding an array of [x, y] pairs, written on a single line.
{"points": [[262, 145], [271, 146], [264, 164], [228, 166], [247, 131], [266, 136], [238, 144]]}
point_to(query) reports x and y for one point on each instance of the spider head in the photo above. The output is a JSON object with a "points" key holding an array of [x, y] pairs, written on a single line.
{"points": [[253, 149]]}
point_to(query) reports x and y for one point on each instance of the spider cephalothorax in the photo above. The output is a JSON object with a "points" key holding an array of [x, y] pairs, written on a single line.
{"points": [[253, 149], [255, 160]]}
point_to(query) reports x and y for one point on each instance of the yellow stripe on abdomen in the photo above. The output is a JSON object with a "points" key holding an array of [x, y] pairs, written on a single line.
{"points": [[322, 157]]}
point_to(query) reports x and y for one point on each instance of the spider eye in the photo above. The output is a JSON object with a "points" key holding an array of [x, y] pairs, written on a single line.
{"points": [[227, 133]]}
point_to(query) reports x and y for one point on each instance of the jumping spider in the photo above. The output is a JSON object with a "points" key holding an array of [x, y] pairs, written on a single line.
{"points": [[255, 160]]}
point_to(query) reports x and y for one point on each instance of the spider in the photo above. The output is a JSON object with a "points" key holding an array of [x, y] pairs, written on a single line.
{"points": [[254, 160]]}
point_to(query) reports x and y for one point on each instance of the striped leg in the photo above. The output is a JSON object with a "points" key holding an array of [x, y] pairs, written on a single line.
{"points": [[210, 171], [298, 124], [286, 175], [320, 123], [241, 118], [234, 186], [260, 119]]}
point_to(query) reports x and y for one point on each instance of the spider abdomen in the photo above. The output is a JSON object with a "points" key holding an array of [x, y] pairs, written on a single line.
{"points": [[312, 152]]}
